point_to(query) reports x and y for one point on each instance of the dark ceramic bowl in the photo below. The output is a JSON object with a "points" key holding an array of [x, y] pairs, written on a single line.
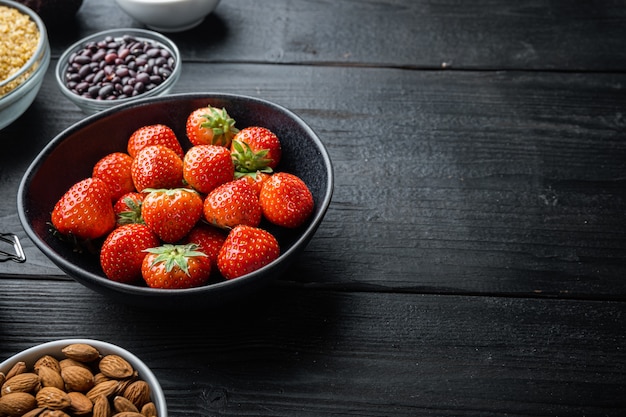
{"points": [[70, 156]]}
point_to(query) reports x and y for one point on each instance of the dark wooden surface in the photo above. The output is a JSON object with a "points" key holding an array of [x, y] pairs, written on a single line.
{"points": [[473, 259]]}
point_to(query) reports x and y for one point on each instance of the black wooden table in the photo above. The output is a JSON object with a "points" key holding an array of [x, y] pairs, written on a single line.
{"points": [[473, 259]]}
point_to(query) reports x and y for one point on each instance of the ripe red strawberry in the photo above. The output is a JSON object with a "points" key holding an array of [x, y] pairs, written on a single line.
{"points": [[123, 251], [231, 204], [157, 134], [115, 170], [175, 267], [207, 166], [209, 240], [210, 126], [157, 166], [171, 213], [245, 250], [85, 210], [254, 149], [128, 208], [286, 200], [256, 180]]}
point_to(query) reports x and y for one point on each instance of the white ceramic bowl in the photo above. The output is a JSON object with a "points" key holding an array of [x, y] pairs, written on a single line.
{"points": [[54, 348], [168, 15], [29, 78], [90, 105]]}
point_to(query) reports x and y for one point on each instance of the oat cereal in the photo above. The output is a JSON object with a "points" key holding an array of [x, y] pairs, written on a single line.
{"points": [[19, 37]]}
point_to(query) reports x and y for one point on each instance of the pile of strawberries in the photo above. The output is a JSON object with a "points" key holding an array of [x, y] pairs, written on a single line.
{"points": [[171, 218]]}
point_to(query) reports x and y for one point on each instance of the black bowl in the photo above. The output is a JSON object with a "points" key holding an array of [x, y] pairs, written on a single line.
{"points": [[70, 156]]}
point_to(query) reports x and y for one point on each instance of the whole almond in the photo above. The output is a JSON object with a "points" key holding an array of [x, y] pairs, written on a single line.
{"points": [[64, 363], [24, 382], [128, 414], [77, 378], [149, 410], [138, 393], [18, 368], [16, 404], [101, 407], [114, 366], [81, 352], [52, 398], [106, 389], [123, 404], [54, 413], [79, 403], [34, 412], [50, 377], [47, 361], [100, 377]]}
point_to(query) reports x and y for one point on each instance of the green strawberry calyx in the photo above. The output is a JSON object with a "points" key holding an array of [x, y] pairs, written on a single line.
{"points": [[175, 256], [220, 122], [132, 215], [248, 161]]}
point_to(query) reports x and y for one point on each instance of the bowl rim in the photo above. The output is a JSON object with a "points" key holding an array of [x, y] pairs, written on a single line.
{"points": [[132, 289], [40, 51], [51, 347], [137, 32]]}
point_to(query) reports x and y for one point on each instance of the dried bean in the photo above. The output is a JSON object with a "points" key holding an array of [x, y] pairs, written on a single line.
{"points": [[117, 68]]}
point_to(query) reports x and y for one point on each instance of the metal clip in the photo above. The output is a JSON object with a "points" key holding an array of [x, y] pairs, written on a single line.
{"points": [[14, 241]]}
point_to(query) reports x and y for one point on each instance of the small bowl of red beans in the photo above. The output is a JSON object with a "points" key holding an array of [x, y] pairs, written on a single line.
{"points": [[117, 66]]}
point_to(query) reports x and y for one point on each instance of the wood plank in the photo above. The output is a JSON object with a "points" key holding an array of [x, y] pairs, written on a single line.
{"points": [[292, 351], [445, 182], [486, 34]]}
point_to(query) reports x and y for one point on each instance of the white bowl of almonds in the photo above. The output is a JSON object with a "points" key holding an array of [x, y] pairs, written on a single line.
{"points": [[79, 377]]}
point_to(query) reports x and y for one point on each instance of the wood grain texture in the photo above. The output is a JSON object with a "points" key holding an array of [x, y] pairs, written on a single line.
{"points": [[507, 182], [486, 34], [290, 351]]}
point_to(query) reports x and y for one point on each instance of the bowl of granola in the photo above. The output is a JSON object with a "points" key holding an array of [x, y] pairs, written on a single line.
{"points": [[24, 59]]}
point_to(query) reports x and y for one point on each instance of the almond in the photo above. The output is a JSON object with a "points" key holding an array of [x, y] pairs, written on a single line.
{"points": [[77, 378], [79, 403], [138, 393], [53, 413], [3, 378], [34, 412], [50, 377], [47, 361], [114, 366], [123, 404], [64, 363], [149, 410], [16, 404], [24, 382], [128, 414], [101, 407], [81, 352], [105, 389], [53, 398], [18, 368]]}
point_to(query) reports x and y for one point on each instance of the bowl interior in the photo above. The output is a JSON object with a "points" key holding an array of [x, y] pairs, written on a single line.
{"points": [[54, 348], [71, 155]]}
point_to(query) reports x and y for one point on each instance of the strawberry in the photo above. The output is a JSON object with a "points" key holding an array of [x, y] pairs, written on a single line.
{"points": [[171, 213], [115, 170], [245, 250], [208, 238], [210, 126], [207, 166], [122, 252], [157, 166], [128, 208], [85, 210], [255, 149], [256, 180], [157, 134], [175, 267], [231, 204], [286, 200]]}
